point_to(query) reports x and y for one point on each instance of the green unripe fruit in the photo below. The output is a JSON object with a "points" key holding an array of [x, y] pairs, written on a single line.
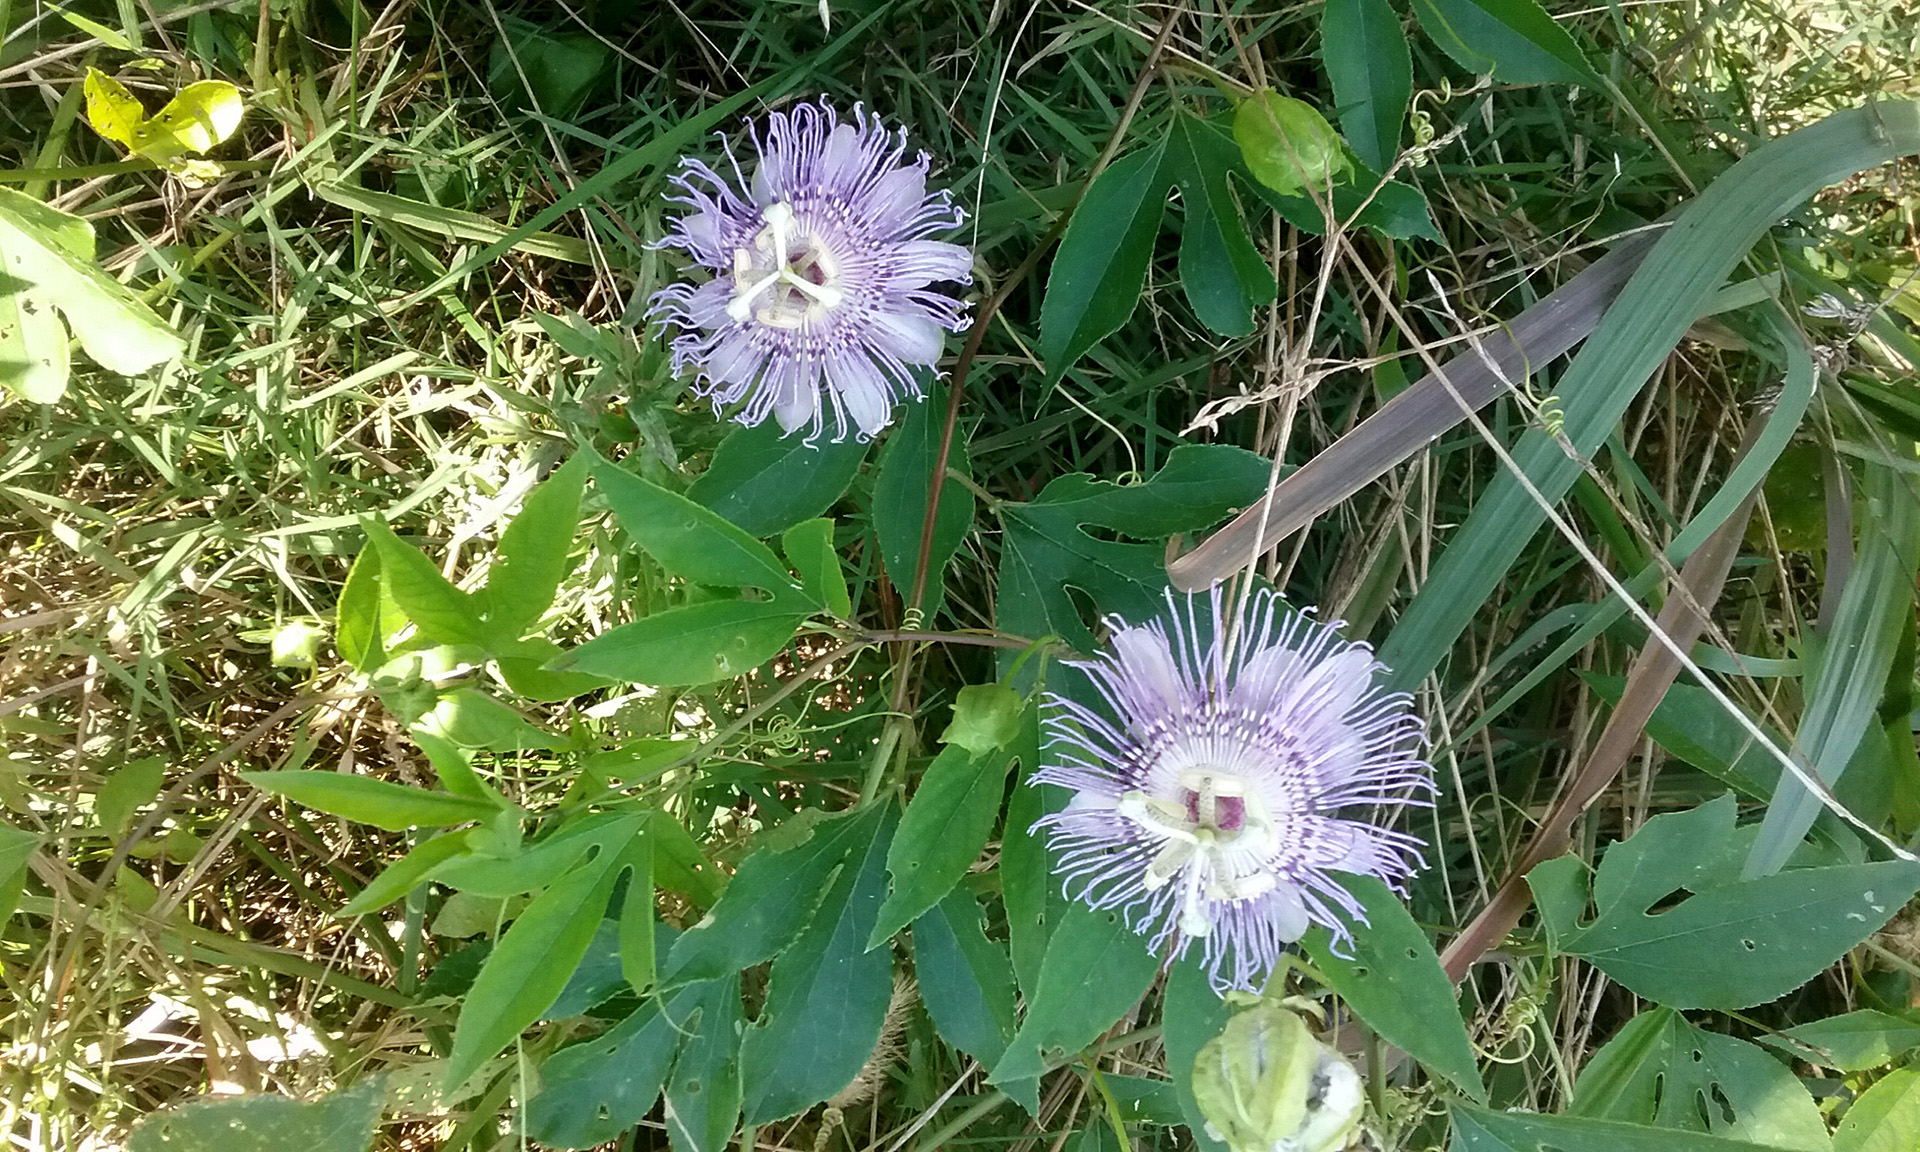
{"points": [[1287, 144]]}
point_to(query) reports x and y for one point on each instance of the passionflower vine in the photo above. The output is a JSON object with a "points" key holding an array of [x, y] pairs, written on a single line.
{"points": [[1207, 791], [825, 294]]}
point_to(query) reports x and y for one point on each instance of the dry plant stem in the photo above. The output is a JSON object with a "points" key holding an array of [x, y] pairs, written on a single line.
{"points": [[1653, 671], [1408, 422], [1788, 764]]}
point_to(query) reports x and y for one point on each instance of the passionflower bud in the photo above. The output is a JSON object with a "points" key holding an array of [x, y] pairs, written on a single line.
{"points": [[1287, 144], [1266, 1085]]}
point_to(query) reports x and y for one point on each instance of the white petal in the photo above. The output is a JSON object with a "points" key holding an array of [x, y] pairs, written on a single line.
{"points": [[707, 304], [925, 261], [1287, 911], [1153, 679], [1260, 681], [841, 156], [796, 409], [911, 337], [736, 360], [896, 200], [703, 238], [862, 391], [1332, 687]]}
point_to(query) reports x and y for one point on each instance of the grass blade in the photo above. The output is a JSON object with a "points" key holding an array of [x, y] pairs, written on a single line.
{"points": [[1644, 325]]}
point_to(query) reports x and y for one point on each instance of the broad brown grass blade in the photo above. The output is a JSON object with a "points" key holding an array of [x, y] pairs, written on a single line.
{"points": [[1416, 417]]}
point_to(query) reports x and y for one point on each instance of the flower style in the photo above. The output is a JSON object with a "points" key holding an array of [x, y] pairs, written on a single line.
{"points": [[823, 299], [1204, 806]]}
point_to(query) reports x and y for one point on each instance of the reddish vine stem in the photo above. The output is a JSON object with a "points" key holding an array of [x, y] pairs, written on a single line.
{"points": [[963, 364]]}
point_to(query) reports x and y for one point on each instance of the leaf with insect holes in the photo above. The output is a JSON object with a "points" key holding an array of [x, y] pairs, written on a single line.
{"points": [[342, 1122], [1725, 946], [200, 116], [1658, 1067]]}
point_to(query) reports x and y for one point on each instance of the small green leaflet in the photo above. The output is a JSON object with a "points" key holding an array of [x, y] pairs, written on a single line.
{"points": [[702, 642], [1513, 39], [1394, 981], [365, 800], [1097, 274]]}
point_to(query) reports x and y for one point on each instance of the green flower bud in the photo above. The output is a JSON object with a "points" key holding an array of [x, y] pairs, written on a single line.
{"points": [[1266, 1085], [985, 717], [1288, 145]]}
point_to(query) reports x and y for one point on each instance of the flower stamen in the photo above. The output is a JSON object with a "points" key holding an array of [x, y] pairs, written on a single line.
{"points": [[802, 280]]}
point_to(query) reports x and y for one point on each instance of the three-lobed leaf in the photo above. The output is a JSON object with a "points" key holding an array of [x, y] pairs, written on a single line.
{"points": [[1658, 1068], [533, 553], [536, 957], [827, 994], [1047, 548], [1727, 945], [1371, 69]]}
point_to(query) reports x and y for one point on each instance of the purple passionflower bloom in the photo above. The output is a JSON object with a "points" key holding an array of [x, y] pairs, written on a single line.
{"points": [[823, 300], [1206, 793]]}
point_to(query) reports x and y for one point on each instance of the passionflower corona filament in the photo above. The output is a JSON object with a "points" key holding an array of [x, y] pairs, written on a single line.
{"points": [[825, 292], [1208, 791]]}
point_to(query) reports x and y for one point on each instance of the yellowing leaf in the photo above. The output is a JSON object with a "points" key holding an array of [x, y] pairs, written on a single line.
{"points": [[112, 110], [201, 116]]}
